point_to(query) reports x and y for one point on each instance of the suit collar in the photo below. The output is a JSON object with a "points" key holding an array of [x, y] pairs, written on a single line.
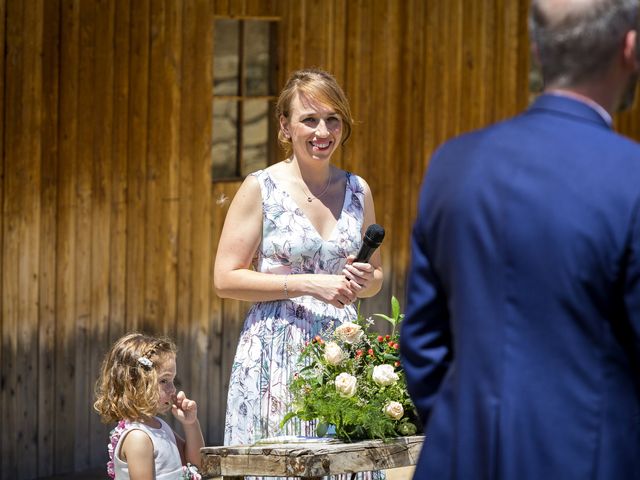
{"points": [[567, 106]]}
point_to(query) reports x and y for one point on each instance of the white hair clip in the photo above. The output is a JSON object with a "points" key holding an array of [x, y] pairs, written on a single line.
{"points": [[145, 362]]}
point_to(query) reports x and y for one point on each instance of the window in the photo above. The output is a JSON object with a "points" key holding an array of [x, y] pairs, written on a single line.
{"points": [[244, 71]]}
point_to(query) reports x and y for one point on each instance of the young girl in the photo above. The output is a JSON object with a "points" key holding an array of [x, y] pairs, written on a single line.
{"points": [[135, 385]]}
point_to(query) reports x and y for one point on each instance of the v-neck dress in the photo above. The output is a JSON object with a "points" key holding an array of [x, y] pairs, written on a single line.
{"points": [[274, 332]]}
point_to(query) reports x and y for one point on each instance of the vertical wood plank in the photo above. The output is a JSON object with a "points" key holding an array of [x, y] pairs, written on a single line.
{"points": [[522, 61], [261, 8], [30, 177], [162, 167], [137, 163], [237, 8], [21, 211], [119, 161], [85, 198], [385, 61], [314, 34], [194, 252], [47, 294], [4, 353], [412, 144], [11, 236], [157, 128], [101, 211], [358, 84], [432, 74], [65, 343], [221, 7], [187, 222], [216, 392], [502, 14], [471, 71], [338, 34], [453, 107], [420, 134], [291, 38]]}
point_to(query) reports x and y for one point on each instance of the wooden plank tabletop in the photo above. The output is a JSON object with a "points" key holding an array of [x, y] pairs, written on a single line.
{"points": [[310, 459]]}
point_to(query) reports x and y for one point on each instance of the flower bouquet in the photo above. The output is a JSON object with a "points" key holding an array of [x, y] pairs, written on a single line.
{"points": [[352, 379]]}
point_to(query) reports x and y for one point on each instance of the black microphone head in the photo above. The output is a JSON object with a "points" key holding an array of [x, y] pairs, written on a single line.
{"points": [[374, 235]]}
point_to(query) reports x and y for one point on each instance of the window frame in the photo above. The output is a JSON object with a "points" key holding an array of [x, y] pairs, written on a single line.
{"points": [[242, 97]]}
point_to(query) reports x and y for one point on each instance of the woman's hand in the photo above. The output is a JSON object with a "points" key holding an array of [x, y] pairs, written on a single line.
{"points": [[332, 289], [184, 410], [359, 274]]}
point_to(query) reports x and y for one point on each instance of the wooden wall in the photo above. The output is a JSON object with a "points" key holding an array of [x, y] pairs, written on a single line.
{"points": [[109, 218]]}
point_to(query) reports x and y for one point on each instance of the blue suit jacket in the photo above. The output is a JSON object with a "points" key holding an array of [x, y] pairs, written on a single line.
{"points": [[521, 337]]}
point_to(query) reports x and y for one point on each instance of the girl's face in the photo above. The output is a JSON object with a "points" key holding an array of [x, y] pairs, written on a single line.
{"points": [[166, 376], [315, 129]]}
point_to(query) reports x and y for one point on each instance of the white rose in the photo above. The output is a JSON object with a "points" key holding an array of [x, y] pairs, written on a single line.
{"points": [[384, 375], [394, 410], [349, 332], [346, 385], [333, 354]]}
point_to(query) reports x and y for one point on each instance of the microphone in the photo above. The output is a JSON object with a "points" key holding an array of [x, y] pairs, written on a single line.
{"points": [[372, 239]]}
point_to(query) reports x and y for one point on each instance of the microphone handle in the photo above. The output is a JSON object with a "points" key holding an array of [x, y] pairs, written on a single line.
{"points": [[365, 253]]}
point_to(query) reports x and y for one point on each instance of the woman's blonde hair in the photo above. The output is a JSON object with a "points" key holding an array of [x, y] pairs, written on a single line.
{"points": [[127, 387], [319, 86]]}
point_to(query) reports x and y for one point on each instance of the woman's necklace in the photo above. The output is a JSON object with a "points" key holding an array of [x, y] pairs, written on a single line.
{"points": [[310, 197]]}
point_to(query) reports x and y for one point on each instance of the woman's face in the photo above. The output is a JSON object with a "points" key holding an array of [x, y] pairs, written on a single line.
{"points": [[315, 129], [166, 376]]}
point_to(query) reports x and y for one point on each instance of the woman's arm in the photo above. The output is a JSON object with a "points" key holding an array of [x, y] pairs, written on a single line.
{"points": [[240, 238]]}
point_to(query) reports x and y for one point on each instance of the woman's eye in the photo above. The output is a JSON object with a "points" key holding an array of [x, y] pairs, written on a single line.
{"points": [[309, 121]]}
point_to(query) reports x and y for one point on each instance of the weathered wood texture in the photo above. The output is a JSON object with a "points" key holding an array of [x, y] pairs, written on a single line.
{"points": [[110, 220], [310, 460]]}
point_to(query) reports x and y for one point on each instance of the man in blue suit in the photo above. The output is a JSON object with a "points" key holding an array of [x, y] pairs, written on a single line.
{"points": [[521, 342]]}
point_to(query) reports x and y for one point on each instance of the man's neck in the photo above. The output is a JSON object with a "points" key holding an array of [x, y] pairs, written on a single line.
{"points": [[571, 93], [597, 94]]}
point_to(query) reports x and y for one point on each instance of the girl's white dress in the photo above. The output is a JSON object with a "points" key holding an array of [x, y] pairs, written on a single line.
{"points": [[165, 451]]}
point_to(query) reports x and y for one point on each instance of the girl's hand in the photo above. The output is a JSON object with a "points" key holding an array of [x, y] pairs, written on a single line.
{"points": [[359, 274], [184, 410]]}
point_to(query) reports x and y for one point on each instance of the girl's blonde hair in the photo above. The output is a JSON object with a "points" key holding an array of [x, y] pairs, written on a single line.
{"points": [[127, 387], [319, 86]]}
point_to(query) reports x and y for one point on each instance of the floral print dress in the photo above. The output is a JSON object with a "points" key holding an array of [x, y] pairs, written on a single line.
{"points": [[274, 332]]}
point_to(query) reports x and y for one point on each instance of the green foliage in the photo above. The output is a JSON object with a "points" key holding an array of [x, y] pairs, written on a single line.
{"points": [[378, 406], [395, 318]]}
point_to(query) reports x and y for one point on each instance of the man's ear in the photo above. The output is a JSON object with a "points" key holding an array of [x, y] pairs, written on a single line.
{"points": [[631, 50], [637, 40]]}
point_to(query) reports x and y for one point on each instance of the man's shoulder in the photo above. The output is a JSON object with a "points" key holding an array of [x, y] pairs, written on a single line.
{"points": [[484, 134]]}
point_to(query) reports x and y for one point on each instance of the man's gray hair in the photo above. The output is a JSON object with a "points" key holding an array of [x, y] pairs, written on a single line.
{"points": [[577, 40]]}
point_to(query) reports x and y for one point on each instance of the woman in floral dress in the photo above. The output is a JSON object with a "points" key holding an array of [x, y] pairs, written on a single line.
{"points": [[288, 244]]}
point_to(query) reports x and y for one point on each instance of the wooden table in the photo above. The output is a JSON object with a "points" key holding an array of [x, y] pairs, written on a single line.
{"points": [[309, 460]]}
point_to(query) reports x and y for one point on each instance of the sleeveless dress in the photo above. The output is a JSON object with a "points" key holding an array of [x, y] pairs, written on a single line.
{"points": [[165, 451], [274, 332]]}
